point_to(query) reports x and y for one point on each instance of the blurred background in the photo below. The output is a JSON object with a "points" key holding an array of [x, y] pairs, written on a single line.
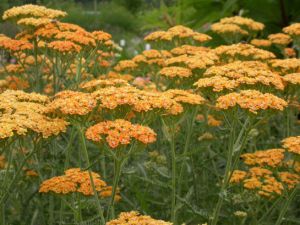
{"points": [[130, 20]]}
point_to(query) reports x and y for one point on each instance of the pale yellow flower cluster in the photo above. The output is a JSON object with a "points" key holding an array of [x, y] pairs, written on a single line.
{"points": [[178, 31], [251, 100], [292, 144], [292, 78], [280, 39], [225, 29], [243, 22], [201, 60], [189, 50], [229, 53], [30, 10], [22, 113], [284, 66], [293, 30], [35, 22], [239, 73]]}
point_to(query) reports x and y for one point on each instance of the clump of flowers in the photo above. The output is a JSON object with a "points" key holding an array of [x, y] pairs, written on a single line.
{"points": [[284, 66], [292, 144], [251, 100], [270, 157], [22, 112], [30, 10], [238, 73], [72, 103], [241, 51], [292, 78], [177, 32], [233, 29], [128, 218], [294, 31], [138, 100], [120, 132], [280, 39], [75, 180], [267, 175]]}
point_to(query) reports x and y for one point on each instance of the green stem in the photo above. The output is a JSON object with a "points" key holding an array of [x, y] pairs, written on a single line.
{"points": [[85, 153], [189, 133], [217, 210], [9, 190], [173, 162], [117, 170], [286, 206]]}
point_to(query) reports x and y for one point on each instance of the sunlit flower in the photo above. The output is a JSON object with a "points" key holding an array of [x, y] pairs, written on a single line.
{"points": [[242, 52], [228, 29], [247, 23], [251, 100], [34, 22], [285, 65], [233, 75], [23, 113], [280, 39], [30, 10], [72, 103]]}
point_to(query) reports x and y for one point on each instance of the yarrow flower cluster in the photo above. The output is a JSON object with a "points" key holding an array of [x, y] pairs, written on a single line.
{"points": [[239, 73], [285, 66], [251, 100], [270, 157], [22, 112], [120, 132], [178, 31], [30, 10], [292, 144], [242, 51], [267, 175], [280, 39], [76, 180], [132, 218], [72, 103]]}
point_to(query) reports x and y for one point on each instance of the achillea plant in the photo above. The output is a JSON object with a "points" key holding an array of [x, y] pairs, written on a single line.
{"points": [[175, 129]]}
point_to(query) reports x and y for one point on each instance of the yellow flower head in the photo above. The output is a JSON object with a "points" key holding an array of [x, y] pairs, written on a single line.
{"points": [[238, 73], [242, 51], [292, 144], [251, 100], [30, 10], [243, 22], [280, 39]]}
